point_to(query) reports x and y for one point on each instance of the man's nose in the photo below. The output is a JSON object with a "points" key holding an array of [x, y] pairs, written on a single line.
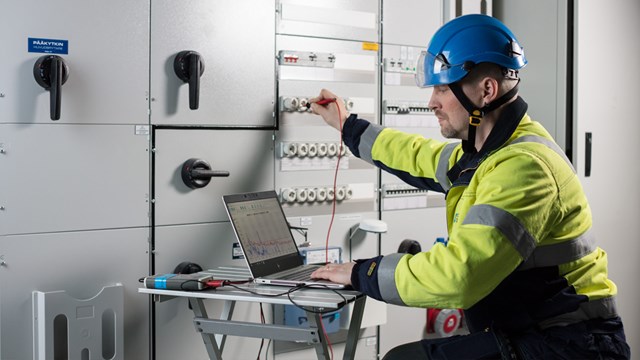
{"points": [[433, 105]]}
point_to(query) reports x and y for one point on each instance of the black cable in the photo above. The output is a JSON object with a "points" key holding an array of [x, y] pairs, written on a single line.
{"points": [[266, 353], [296, 288], [292, 289], [344, 300], [262, 320]]}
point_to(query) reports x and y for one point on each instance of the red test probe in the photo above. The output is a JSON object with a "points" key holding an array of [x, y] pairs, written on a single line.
{"points": [[321, 102]]}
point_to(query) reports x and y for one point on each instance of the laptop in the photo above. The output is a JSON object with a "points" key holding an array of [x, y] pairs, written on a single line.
{"points": [[269, 248]]}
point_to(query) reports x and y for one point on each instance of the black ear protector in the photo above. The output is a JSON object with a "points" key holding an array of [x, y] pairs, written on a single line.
{"points": [[187, 267], [408, 246]]}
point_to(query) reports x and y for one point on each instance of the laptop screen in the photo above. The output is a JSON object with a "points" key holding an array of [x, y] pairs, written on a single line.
{"points": [[263, 232]]}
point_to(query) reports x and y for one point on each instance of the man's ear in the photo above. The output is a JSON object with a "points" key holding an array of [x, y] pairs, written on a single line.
{"points": [[490, 89]]}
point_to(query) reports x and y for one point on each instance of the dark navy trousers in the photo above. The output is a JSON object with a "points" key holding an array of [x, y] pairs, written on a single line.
{"points": [[593, 339]]}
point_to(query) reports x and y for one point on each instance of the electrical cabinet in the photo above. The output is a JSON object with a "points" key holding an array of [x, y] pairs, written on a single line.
{"points": [[212, 106], [60, 177], [243, 158], [74, 195], [335, 19], [122, 144], [354, 77], [411, 22], [544, 79], [224, 51], [604, 113], [80, 263], [107, 76]]}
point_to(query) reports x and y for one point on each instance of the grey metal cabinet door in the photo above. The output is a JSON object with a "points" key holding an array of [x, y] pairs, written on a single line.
{"points": [[108, 72], [247, 155], [59, 177], [232, 45]]}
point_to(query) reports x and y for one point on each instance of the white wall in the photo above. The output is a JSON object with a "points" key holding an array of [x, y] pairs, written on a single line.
{"points": [[607, 81]]}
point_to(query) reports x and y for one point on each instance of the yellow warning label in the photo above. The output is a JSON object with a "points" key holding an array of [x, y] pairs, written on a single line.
{"points": [[370, 46]]}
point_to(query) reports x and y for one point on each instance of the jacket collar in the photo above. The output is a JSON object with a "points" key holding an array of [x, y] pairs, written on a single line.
{"points": [[462, 172]]}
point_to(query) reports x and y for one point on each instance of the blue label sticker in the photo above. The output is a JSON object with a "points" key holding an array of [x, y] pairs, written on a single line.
{"points": [[49, 46]]}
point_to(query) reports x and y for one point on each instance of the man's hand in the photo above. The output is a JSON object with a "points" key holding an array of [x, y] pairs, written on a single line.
{"points": [[337, 273], [333, 113]]}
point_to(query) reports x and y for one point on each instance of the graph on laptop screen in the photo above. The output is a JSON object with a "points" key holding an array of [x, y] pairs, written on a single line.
{"points": [[262, 229]]}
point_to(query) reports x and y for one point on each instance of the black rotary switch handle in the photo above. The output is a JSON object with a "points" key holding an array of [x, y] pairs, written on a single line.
{"points": [[197, 173], [51, 72], [189, 67]]}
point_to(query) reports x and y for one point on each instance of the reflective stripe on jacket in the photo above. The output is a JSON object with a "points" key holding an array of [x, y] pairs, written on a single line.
{"points": [[518, 223]]}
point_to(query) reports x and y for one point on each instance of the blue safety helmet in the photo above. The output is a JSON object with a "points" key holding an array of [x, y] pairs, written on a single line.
{"points": [[463, 42]]}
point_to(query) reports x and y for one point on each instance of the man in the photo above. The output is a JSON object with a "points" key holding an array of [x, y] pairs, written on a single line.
{"points": [[520, 259]]}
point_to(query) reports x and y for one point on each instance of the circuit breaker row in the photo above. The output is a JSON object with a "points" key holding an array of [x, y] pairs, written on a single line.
{"points": [[401, 189], [402, 66], [406, 107]]}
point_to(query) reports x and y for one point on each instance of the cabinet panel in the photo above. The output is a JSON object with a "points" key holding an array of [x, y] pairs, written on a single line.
{"points": [[80, 263], [544, 79], [108, 71], [236, 44], [411, 22], [336, 19], [72, 177], [247, 155], [606, 107]]}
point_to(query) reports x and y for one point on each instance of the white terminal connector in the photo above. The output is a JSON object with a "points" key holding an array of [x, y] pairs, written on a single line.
{"points": [[313, 150], [290, 149], [322, 149], [302, 104], [303, 150], [332, 149], [348, 104], [321, 194], [311, 195], [290, 104], [330, 194], [348, 193], [288, 195], [301, 195], [340, 193]]}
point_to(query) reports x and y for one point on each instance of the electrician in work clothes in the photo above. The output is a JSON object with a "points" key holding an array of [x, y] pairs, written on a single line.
{"points": [[520, 259]]}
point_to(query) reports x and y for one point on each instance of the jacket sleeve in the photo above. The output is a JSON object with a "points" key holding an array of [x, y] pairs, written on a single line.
{"points": [[493, 230], [416, 160]]}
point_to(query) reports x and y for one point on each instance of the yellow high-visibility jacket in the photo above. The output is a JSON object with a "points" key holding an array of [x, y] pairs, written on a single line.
{"points": [[520, 251]]}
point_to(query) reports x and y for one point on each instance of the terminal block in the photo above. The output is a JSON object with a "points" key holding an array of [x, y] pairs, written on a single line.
{"points": [[318, 194], [299, 103], [312, 150], [406, 107], [306, 58], [403, 66]]}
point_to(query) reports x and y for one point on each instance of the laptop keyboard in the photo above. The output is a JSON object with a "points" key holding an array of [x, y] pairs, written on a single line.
{"points": [[303, 274]]}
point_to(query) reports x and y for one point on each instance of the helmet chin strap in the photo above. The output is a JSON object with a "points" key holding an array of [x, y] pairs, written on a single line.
{"points": [[476, 114]]}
